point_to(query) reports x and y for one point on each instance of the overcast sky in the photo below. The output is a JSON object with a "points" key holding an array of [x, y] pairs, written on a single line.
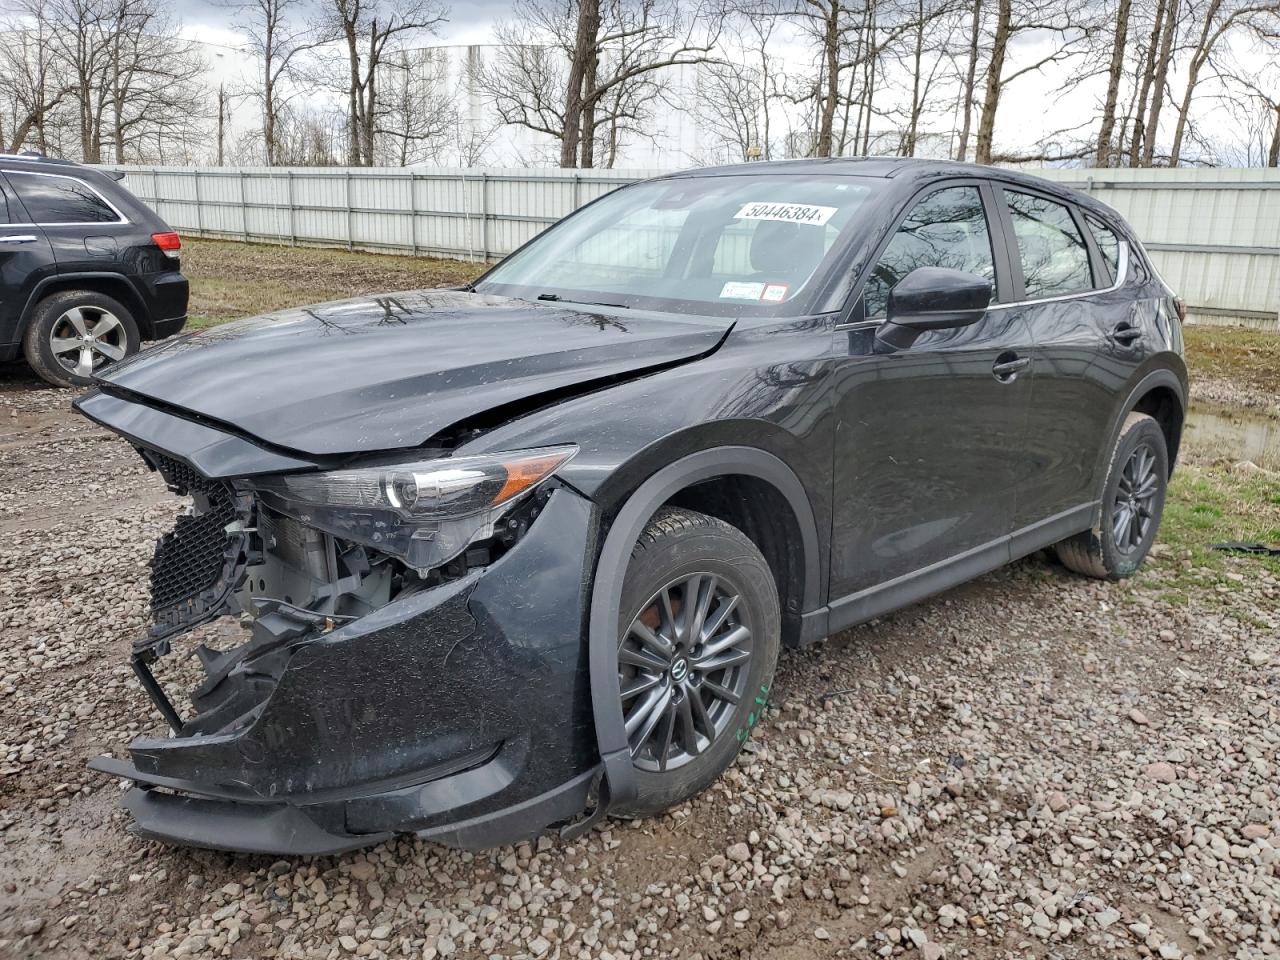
{"points": [[469, 21]]}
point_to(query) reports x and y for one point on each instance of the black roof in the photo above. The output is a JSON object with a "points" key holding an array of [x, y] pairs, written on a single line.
{"points": [[897, 168]]}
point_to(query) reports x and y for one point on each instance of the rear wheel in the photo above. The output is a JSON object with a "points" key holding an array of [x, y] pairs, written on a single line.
{"points": [[76, 334], [698, 642], [1132, 503]]}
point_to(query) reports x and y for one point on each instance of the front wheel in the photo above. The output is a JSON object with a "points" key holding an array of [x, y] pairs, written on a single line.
{"points": [[698, 643], [1132, 503]]}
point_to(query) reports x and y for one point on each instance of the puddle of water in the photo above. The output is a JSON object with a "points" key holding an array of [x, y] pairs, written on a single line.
{"points": [[1236, 436]]}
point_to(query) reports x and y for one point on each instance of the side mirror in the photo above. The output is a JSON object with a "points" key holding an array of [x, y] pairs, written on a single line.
{"points": [[932, 298]]}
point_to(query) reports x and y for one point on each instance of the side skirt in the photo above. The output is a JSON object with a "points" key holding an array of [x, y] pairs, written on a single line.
{"points": [[913, 587]]}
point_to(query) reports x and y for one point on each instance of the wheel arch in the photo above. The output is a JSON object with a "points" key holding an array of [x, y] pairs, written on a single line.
{"points": [[114, 285], [722, 467], [1162, 394]]}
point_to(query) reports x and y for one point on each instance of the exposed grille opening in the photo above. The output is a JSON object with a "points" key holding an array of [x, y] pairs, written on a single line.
{"points": [[189, 559], [195, 563]]}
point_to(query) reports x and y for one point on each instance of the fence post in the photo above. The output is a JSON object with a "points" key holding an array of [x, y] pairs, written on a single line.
{"points": [[244, 210], [484, 217], [293, 226], [413, 211], [351, 217], [577, 191], [199, 206]]}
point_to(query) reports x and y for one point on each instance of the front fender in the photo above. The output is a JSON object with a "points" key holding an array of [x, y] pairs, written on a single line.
{"points": [[611, 569]]}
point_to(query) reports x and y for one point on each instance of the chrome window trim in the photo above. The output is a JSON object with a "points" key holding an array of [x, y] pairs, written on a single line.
{"points": [[1122, 274], [121, 218]]}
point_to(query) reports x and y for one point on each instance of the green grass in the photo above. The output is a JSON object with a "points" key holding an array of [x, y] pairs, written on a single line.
{"points": [[1208, 505], [230, 279], [1242, 355]]}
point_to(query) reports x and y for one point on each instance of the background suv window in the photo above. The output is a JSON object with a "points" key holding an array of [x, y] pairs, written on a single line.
{"points": [[1055, 260], [1107, 242], [60, 200], [948, 228]]}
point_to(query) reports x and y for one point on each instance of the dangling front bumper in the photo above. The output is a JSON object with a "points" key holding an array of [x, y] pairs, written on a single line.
{"points": [[460, 711]]}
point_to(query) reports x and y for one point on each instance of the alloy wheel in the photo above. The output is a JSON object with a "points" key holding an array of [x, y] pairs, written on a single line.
{"points": [[1131, 512], [83, 339], [682, 669]]}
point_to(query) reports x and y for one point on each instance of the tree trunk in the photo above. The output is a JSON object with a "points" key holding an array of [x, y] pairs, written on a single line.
{"points": [[590, 116], [1144, 88], [991, 98], [585, 42], [1193, 77], [353, 97], [1273, 154], [1107, 131], [831, 95], [970, 80], [1158, 81]]}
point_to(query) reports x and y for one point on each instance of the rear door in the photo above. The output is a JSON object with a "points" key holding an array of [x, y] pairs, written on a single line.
{"points": [[1072, 299], [26, 259], [929, 440], [85, 229]]}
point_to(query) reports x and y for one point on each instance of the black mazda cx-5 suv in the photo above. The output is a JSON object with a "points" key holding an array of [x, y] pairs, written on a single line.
{"points": [[87, 271], [517, 556]]}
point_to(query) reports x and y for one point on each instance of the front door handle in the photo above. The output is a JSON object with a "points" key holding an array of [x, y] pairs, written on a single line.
{"points": [[1008, 365], [1125, 333], [25, 238]]}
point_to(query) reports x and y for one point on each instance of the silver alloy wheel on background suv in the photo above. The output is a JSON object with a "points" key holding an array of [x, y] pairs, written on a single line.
{"points": [[682, 670], [83, 339]]}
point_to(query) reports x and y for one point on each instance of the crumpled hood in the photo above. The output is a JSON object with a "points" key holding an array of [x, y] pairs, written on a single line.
{"points": [[385, 372]]}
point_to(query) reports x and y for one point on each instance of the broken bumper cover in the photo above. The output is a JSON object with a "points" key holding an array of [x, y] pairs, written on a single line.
{"points": [[460, 711]]}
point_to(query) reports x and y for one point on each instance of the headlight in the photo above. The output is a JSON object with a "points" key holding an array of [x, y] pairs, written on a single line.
{"points": [[425, 512]]}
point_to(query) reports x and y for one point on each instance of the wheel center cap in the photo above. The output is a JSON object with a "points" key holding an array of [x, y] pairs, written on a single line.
{"points": [[680, 670]]}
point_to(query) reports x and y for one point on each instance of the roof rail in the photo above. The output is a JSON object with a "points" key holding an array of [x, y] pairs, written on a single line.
{"points": [[34, 156]]}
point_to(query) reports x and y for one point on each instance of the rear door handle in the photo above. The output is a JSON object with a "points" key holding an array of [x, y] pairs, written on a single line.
{"points": [[25, 238], [1008, 366], [1125, 333]]}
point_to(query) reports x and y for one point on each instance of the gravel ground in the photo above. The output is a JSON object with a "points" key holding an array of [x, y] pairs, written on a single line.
{"points": [[1033, 765]]}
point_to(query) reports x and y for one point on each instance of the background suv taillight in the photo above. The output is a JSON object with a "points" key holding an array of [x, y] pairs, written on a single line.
{"points": [[169, 243]]}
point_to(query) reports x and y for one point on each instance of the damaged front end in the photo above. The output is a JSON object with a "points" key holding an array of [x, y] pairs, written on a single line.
{"points": [[413, 657]]}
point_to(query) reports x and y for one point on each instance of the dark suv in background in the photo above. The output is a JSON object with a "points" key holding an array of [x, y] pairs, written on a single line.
{"points": [[87, 271]]}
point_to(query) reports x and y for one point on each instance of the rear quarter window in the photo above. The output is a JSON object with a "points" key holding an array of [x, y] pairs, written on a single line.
{"points": [[56, 199], [1108, 243]]}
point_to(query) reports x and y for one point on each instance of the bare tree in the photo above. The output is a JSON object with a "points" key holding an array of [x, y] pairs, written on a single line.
{"points": [[367, 31], [1062, 20], [417, 119], [34, 83], [1217, 18], [277, 38], [584, 72]]}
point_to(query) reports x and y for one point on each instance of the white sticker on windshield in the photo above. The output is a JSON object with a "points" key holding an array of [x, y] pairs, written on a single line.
{"points": [[741, 290], [789, 212]]}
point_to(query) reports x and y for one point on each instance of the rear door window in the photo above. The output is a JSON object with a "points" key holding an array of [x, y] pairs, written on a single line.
{"points": [[54, 200], [1051, 249], [947, 228]]}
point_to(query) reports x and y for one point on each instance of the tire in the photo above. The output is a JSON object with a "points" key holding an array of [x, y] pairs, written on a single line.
{"points": [[682, 552], [94, 329], [1113, 550]]}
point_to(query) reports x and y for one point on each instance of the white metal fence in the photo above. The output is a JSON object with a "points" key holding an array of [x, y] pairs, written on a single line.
{"points": [[1214, 234]]}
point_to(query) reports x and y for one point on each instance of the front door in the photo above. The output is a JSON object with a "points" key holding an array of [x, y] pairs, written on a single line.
{"points": [[929, 440], [26, 259]]}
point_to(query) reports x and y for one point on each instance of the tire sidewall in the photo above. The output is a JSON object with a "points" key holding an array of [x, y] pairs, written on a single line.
{"points": [[36, 347], [1138, 431], [742, 566]]}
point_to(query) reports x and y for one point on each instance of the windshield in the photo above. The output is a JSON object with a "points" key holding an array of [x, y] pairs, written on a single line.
{"points": [[724, 245]]}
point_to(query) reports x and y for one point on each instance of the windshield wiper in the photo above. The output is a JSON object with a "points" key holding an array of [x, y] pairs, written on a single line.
{"points": [[590, 303]]}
